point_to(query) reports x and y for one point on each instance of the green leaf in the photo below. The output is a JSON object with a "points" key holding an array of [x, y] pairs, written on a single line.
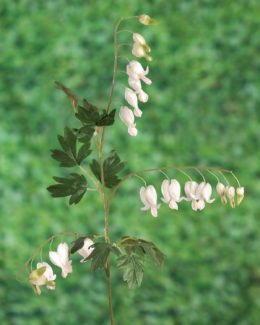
{"points": [[77, 244], [84, 152], [134, 269], [84, 134], [72, 97], [142, 248], [74, 186], [106, 119], [90, 115], [111, 166], [68, 142], [63, 158], [100, 255]]}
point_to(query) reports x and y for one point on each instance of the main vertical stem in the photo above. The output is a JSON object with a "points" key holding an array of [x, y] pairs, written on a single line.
{"points": [[101, 142]]}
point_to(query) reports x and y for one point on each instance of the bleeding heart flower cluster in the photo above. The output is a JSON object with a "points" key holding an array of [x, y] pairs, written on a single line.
{"points": [[44, 275], [198, 194], [136, 74]]}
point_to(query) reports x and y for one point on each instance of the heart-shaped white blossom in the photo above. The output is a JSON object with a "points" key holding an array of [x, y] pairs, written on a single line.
{"points": [[131, 98], [148, 196], [61, 259], [127, 117], [171, 191], [135, 70]]}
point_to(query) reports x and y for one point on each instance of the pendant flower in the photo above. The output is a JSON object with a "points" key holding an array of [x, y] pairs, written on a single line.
{"points": [[136, 85], [140, 47], [127, 117], [61, 259], [171, 191], [148, 196], [190, 191], [135, 70], [240, 194], [131, 98], [49, 275], [230, 192], [147, 20], [86, 250], [38, 278], [203, 192], [221, 190]]}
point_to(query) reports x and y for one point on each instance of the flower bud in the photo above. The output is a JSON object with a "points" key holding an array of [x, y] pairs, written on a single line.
{"points": [[147, 20], [240, 194], [221, 192], [230, 192]]}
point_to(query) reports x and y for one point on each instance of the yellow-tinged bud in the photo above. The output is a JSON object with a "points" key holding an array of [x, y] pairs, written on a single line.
{"points": [[230, 191], [240, 194], [147, 20], [221, 192]]}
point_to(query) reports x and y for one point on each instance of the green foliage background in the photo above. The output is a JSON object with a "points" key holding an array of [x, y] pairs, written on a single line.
{"points": [[203, 110]]}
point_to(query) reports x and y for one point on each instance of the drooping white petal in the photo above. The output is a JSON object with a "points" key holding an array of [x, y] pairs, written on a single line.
{"points": [[194, 205], [61, 259], [132, 131], [55, 258], [151, 195], [143, 96], [126, 115], [131, 98], [135, 84], [206, 193], [63, 251], [200, 204], [165, 191], [86, 250], [143, 199], [173, 205], [175, 190]]}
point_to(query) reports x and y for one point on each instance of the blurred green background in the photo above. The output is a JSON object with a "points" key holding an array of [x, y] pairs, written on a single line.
{"points": [[203, 110]]}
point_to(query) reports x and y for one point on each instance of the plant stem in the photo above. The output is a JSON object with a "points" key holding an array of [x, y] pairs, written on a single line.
{"points": [[101, 143]]}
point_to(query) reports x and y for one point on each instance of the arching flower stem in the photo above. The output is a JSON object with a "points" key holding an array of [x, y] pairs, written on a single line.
{"points": [[160, 169]]}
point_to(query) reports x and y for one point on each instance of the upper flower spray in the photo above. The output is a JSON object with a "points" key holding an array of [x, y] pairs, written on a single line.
{"points": [[136, 73]]}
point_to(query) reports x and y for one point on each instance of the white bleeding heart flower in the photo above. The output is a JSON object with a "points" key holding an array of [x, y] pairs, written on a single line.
{"points": [[221, 190], [230, 192], [190, 191], [86, 250], [131, 98], [135, 70], [148, 196], [61, 259], [171, 191], [140, 48], [127, 116], [203, 192], [136, 85], [48, 274]]}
